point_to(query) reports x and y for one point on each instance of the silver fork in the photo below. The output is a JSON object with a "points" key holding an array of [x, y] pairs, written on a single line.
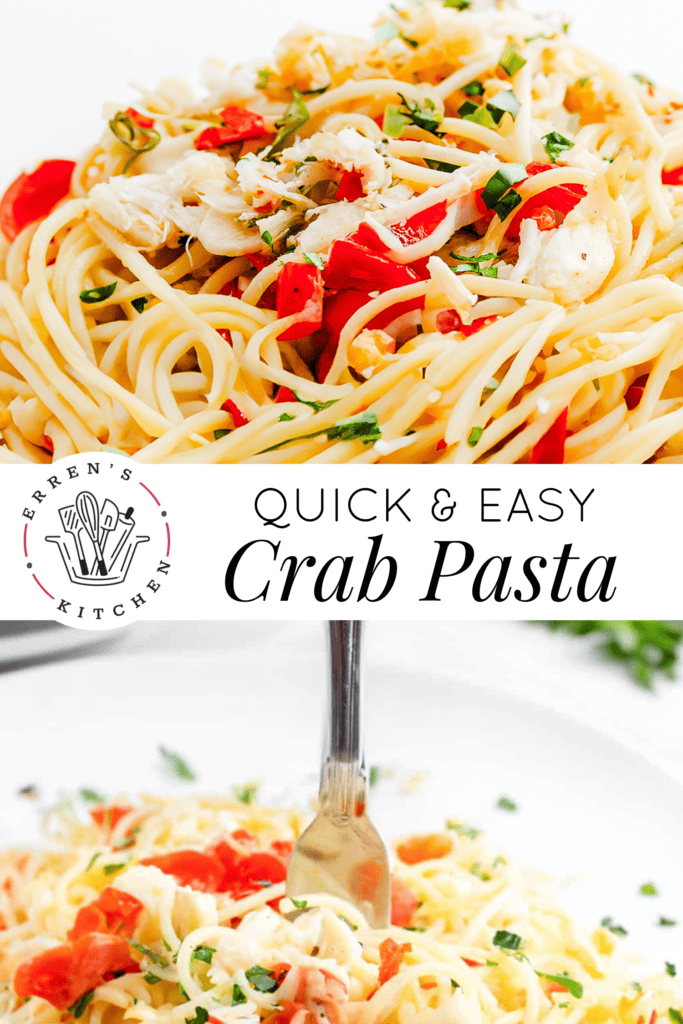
{"points": [[341, 852]]}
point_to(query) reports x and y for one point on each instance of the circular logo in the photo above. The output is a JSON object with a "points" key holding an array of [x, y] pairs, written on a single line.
{"points": [[96, 540]]}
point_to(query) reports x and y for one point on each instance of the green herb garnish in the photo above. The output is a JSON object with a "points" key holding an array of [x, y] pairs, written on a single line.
{"points": [[504, 102], [510, 61], [261, 979], [263, 78], [315, 259], [295, 116], [426, 116], [246, 794], [201, 1016], [616, 929], [441, 165], [78, 1008], [472, 264], [91, 796], [462, 830], [93, 859], [649, 889], [667, 922], [497, 185], [460, 5], [643, 647], [507, 940], [268, 239], [138, 140], [473, 88], [155, 957], [506, 804], [363, 426], [554, 144], [218, 434], [177, 765], [203, 953], [317, 406], [675, 1015], [150, 978], [374, 775], [299, 904], [238, 996], [285, 418], [91, 295], [474, 436], [573, 986], [139, 304], [111, 869], [670, 969]]}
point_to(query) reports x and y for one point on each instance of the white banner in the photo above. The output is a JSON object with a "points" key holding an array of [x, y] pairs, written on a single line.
{"points": [[97, 540]]}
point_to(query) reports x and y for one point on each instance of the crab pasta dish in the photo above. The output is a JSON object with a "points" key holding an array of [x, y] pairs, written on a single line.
{"points": [[174, 912], [458, 242]]}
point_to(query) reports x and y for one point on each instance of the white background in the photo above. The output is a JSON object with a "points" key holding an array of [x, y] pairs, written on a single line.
{"points": [[61, 61]]}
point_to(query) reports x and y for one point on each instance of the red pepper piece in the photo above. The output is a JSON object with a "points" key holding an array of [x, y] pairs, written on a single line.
{"points": [[351, 265], [113, 911], [300, 294], [239, 125], [441, 445], [231, 288], [635, 392], [65, 973], [449, 320], [239, 419], [387, 316], [337, 312], [537, 167], [549, 451], [109, 815], [48, 444], [673, 177], [259, 261], [350, 186], [202, 871], [285, 395], [557, 201], [33, 196], [420, 225], [390, 958], [140, 119], [471, 963]]}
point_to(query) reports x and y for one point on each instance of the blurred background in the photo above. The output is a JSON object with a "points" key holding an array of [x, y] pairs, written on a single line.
{"points": [[64, 61], [459, 715]]}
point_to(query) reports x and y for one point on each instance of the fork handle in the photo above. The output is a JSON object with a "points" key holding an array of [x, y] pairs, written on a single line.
{"points": [[342, 784]]}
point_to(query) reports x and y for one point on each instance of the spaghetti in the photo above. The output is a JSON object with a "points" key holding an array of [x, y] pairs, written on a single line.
{"points": [[153, 913], [458, 243]]}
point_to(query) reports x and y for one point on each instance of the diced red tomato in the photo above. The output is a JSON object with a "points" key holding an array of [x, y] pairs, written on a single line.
{"points": [[337, 311], [289, 1013], [537, 167], [471, 963], [404, 902], [239, 125], [48, 444], [239, 419], [550, 449], [350, 186], [33, 196], [300, 294], [259, 260], [420, 848], [112, 911], [282, 847], [673, 177], [353, 266], [202, 871], [285, 395], [449, 320], [231, 288], [555, 202], [441, 445], [635, 392], [109, 816], [390, 958], [225, 334], [544, 217], [65, 973], [140, 120]]}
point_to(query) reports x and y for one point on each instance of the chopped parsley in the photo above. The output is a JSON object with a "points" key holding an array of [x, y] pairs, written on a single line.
{"points": [[238, 996], [315, 259], [218, 434], [498, 184], [263, 78], [474, 436], [91, 295], [285, 418], [615, 929], [585, 80], [139, 304], [260, 978], [93, 859], [479, 872], [596, 383], [295, 116], [466, 831], [374, 775], [150, 978], [472, 265], [111, 869], [675, 1015], [554, 144], [670, 969], [299, 904], [510, 61], [643, 80], [78, 1008], [441, 165], [177, 765], [246, 794], [506, 804], [200, 1016], [363, 426], [573, 986], [138, 140], [637, 986], [151, 954], [649, 889], [203, 953], [422, 116], [667, 922], [507, 940], [460, 5], [91, 796], [317, 406], [268, 239], [473, 88], [507, 204]]}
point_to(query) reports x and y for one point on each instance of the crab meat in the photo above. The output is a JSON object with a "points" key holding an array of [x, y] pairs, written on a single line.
{"points": [[347, 149], [258, 179], [335, 221], [322, 994]]}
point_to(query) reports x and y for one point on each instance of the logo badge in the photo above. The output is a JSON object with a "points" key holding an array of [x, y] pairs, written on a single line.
{"points": [[96, 540]]}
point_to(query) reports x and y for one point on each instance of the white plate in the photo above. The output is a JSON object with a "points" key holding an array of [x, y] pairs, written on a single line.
{"points": [[589, 808]]}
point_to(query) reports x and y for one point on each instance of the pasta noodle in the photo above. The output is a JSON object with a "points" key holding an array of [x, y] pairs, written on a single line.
{"points": [[457, 243], [481, 941]]}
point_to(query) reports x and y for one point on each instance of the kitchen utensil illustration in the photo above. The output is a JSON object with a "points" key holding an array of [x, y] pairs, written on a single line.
{"points": [[109, 519], [88, 510], [128, 522], [72, 524]]}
